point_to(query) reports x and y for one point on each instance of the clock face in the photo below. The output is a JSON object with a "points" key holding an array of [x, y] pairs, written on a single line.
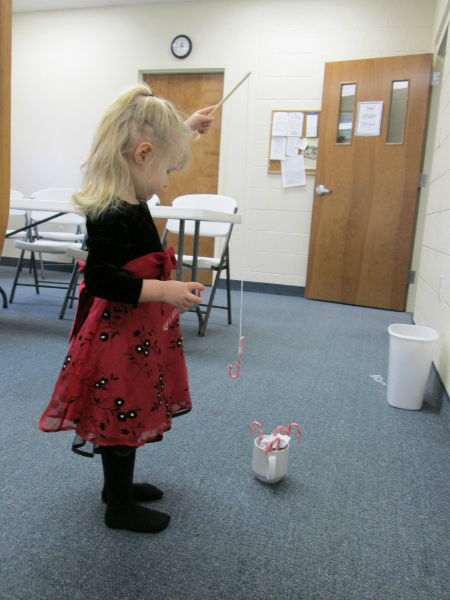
{"points": [[181, 46]]}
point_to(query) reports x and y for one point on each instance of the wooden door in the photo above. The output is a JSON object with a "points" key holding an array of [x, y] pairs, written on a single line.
{"points": [[362, 231], [190, 92]]}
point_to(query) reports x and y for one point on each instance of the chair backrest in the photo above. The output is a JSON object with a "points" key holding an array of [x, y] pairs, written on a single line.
{"points": [[15, 195], [154, 201], [77, 253], [57, 195], [212, 202]]}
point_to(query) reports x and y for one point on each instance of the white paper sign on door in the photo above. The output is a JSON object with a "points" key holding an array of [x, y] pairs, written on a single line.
{"points": [[369, 118]]}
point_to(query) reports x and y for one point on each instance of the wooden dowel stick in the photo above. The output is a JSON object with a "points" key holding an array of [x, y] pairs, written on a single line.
{"points": [[229, 94]]}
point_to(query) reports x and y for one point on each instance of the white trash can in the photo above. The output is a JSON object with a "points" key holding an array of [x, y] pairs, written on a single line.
{"points": [[410, 355]]}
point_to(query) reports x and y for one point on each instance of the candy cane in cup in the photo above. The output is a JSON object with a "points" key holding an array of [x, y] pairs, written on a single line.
{"points": [[280, 428], [258, 425], [271, 444], [298, 429]]}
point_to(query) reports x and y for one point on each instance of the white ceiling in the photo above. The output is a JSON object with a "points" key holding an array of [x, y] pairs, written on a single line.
{"points": [[39, 5]]}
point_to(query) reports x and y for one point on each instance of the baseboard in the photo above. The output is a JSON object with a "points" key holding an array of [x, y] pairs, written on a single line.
{"points": [[265, 288]]}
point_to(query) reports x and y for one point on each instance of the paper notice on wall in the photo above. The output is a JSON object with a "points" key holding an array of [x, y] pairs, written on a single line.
{"points": [[291, 146], [312, 120], [302, 144], [295, 124], [280, 124], [278, 148], [293, 171]]}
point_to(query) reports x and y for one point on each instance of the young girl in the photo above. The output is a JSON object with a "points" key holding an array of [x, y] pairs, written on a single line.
{"points": [[124, 377]]}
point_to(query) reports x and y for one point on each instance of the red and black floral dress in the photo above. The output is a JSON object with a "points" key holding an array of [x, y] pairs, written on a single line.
{"points": [[124, 376]]}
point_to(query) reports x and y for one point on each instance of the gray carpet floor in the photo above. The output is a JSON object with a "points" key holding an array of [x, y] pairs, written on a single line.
{"points": [[363, 513]]}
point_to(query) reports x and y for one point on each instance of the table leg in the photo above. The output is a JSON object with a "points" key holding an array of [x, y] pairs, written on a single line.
{"points": [[180, 251], [195, 251], [198, 310]]}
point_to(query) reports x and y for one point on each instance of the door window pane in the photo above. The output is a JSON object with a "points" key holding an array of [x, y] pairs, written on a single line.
{"points": [[397, 113], [346, 111]]}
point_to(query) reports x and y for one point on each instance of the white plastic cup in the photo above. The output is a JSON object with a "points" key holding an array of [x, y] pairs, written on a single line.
{"points": [[410, 356]]}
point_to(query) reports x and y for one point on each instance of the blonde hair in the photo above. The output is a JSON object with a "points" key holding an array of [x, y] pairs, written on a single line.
{"points": [[134, 115]]}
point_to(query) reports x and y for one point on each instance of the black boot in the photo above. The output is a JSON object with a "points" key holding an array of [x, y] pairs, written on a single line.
{"points": [[122, 511], [141, 492]]}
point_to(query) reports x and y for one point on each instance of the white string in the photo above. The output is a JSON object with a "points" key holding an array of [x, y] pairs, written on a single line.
{"points": [[378, 379], [243, 246], [244, 219]]}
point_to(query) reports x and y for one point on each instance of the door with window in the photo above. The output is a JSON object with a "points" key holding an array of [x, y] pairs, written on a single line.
{"points": [[190, 92], [371, 133]]}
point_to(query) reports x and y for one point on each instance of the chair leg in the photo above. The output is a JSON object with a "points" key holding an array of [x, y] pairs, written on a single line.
{"points": [[42, 265], [16, 278], [73, 297], [5, 299], [36, 280], [70, 294], [228, 289], [202, 329]]}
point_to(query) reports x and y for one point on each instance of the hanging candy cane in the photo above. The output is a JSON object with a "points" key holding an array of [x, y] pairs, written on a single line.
{"points": [[258, 425], [294, 425], [230, 367]]}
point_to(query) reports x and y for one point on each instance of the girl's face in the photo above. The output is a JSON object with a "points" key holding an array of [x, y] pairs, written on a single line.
{"points": [[155, 177], [150, 174]]}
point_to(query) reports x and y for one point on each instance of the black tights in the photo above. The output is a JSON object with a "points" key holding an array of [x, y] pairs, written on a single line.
{"points": [[123, 512]]}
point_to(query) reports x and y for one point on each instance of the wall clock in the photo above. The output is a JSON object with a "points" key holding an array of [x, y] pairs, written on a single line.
{"points": [[181, 46]]}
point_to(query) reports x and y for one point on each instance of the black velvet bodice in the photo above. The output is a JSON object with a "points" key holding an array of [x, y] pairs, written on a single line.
{"points": [[119, 235]]}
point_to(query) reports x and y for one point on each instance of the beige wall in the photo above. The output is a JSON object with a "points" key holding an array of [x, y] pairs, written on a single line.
{"points": [[432, 305], [67, 65]]}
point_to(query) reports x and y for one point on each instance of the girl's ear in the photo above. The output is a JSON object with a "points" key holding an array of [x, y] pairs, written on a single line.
{"points": [[142, 152]]}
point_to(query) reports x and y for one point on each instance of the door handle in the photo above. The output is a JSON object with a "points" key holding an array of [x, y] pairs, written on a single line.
{"points": [[321, 189]]}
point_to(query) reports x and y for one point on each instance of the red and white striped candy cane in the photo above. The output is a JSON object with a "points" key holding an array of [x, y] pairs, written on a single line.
{"points": [[280, 428], [271, 444], [294, 425], [230, 367], [174, 314], [259, 429]]}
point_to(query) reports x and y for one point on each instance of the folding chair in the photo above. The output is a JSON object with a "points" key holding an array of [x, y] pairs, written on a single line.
{"points": [[14, 194], [207, 229], [48, 242], [71, 295], [154, 201], [69, 221]]}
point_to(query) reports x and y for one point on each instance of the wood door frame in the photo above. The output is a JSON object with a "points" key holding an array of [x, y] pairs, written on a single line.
{"points": [[5, 114], [162, 71]]}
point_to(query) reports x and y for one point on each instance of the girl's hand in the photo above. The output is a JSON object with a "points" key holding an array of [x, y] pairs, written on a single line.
{"points": [[200, 121], [179, 293]]}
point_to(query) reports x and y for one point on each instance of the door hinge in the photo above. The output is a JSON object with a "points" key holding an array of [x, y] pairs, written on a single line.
{"points": [[411, 279], [423, 180], [435, 78]]}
